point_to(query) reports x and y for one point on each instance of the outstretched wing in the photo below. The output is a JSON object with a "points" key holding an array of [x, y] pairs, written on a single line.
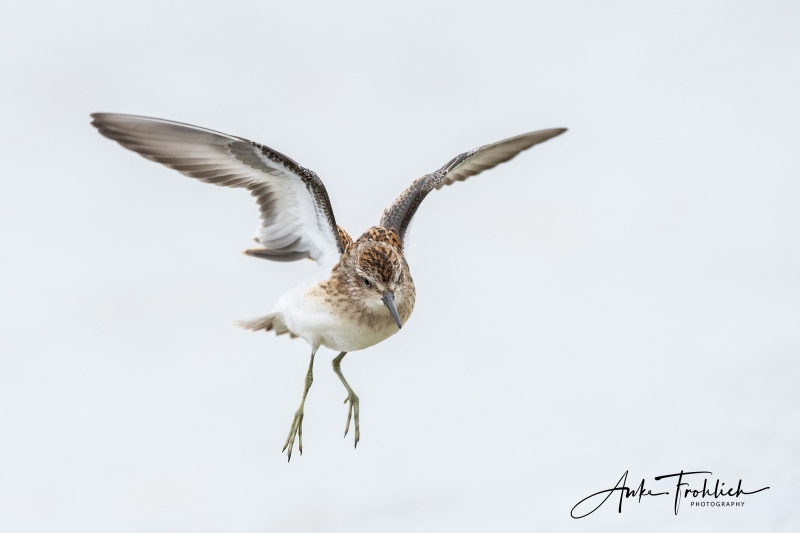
{"points": [[296, 216], [398, 215]]}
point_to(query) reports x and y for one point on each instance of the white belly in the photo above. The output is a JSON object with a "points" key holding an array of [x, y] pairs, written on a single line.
{"points": [[321, 324]]}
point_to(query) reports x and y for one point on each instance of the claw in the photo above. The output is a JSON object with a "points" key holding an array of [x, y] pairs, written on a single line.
{"points": [[295, 431], [297, 423], [352, 411], [352, 414], [347, 426]]}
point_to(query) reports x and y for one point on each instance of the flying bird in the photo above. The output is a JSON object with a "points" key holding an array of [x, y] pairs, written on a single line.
{"points": [[361, 292]]}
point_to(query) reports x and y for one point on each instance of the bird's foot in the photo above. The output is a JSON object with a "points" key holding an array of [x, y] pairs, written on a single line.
{"points": [[295, 431], [352, 412]]}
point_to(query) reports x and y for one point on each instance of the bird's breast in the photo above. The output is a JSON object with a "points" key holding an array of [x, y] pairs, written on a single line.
{"points": [[339, 323]]}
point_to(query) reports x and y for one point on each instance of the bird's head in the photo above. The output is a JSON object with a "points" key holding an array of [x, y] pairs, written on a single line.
{"points": [[380, 277]]}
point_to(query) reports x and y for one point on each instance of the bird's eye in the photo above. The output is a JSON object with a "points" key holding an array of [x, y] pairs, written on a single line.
{"points": [[367, 282]]}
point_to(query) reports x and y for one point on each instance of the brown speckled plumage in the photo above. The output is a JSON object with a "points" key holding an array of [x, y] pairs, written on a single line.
{"points": [[344, 238], [377, 256], [381, 234], [382, 262]]}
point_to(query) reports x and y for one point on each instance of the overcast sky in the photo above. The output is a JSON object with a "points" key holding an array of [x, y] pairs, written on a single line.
{"points": [[624, 297]]}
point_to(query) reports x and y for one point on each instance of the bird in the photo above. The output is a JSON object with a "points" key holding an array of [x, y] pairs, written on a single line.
{"points": [[361, 291]]}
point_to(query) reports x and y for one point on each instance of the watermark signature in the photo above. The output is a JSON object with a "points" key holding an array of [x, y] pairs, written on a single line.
{"points": [[718, 496]]}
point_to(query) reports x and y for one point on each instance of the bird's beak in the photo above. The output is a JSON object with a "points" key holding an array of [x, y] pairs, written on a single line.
{"points": [[388, 301]]}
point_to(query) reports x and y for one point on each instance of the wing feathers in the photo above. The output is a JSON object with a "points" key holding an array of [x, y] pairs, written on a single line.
{"points": [[398, 215], [297, 218]]}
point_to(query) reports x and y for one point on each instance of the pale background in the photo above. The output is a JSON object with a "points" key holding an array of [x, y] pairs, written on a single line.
{"points": [[623, 297]]}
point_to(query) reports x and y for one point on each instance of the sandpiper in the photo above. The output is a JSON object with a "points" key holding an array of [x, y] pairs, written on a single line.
{"points": [[361, 292]]}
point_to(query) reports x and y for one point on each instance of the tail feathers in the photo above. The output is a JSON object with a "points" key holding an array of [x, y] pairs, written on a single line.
{"points": [[273, 322]]}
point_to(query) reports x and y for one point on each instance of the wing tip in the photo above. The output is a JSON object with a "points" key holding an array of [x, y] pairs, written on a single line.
{"points": [[550, 133], [107, 122], [101, 116], [97, 118]]}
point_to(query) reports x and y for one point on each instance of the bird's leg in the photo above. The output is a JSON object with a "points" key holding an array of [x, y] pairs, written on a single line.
{"points": [[297, 423], [351, 398]]}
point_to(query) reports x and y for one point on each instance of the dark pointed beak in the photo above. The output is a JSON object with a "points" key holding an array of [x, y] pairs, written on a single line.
{"points": [[388, 301]]}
